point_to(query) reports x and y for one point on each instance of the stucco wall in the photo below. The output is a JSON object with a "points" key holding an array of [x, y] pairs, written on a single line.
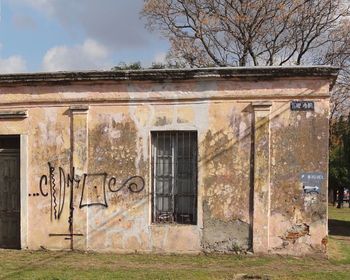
{"points": [[299, 143], [103, 131]]}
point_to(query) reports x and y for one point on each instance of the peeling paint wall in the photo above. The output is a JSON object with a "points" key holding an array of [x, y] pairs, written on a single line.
{"points": [[225, 160], [99, 159], [299, 144]]}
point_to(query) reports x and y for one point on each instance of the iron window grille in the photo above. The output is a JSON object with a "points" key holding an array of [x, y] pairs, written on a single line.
{"points": [[174, 169]]}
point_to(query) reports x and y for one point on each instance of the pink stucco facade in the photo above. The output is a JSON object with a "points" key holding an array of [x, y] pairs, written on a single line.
{"points": [[87, 179]]}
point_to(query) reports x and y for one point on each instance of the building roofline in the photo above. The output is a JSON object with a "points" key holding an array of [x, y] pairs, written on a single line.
{"points": [[170, 74]]}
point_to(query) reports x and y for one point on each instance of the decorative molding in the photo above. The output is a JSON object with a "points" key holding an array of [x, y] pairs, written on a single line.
{"points": [[261, 106], [13, 114], [79, 109]]}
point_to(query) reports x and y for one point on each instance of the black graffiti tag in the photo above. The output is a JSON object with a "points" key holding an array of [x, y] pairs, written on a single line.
{"points": [[96, 183]]}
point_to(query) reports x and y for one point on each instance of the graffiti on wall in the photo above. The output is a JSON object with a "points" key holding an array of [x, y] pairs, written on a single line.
{"points": [[91, 189]]}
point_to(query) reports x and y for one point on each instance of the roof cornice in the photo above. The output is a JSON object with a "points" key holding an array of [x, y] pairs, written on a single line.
{"points": [[159, 75]]}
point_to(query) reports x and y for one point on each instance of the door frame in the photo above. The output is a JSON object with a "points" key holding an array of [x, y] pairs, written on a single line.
{"points": [[23, 150]]}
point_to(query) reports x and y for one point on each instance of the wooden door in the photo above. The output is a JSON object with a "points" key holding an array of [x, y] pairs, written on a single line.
{"points": [[9, 199]]}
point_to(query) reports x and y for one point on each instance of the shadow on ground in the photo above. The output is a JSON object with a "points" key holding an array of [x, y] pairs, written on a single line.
{"points": [[338, 227]]}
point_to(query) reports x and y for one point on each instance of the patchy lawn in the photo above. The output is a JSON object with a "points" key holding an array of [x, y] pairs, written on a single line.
{"points": [[60, 265], [339, 230], [67, 265]]}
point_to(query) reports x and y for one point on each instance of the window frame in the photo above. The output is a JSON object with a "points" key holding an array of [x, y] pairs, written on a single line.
{"points": [[193, 149]]}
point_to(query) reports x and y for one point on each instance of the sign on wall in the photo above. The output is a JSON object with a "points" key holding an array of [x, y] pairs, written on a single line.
{"points": [[312, 181], [302, 106]]}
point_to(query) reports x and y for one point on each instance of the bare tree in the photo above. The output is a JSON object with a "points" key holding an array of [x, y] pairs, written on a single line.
{"points": [[337, 52], [256, 32], [237, 32]]}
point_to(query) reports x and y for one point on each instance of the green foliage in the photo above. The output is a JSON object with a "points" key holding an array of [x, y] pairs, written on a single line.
{"points": [[339, 157], [155, 65], [129, 66]]}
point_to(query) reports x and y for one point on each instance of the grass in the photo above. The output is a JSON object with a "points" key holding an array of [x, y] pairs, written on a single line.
{"points": [[339, 227], [75, 265]]}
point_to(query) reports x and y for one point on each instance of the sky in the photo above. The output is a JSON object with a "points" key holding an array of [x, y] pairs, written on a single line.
{"points": [[67, 35]]}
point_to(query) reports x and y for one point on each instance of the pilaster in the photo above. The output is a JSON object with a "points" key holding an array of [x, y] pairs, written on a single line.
{"points": [[261, 208]]}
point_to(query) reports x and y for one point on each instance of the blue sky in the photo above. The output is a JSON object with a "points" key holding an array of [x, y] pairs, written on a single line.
{"points": [[58, 35]]}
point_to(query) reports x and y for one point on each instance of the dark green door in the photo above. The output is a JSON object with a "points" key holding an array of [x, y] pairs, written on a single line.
{"points": [[10, 199]]}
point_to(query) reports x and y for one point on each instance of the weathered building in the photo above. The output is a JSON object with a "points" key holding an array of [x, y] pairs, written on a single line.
{"points": [[194, 160]]}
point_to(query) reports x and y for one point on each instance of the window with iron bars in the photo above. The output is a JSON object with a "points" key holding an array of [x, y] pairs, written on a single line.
{"points": [[174, 166]]}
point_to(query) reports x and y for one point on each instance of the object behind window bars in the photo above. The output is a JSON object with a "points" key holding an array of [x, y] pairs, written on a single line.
{"points": [[174, 163]]}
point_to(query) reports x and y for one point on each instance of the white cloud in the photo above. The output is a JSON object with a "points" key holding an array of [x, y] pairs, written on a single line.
{"points": [[87, 56], [114, 23], [12, 64]]}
